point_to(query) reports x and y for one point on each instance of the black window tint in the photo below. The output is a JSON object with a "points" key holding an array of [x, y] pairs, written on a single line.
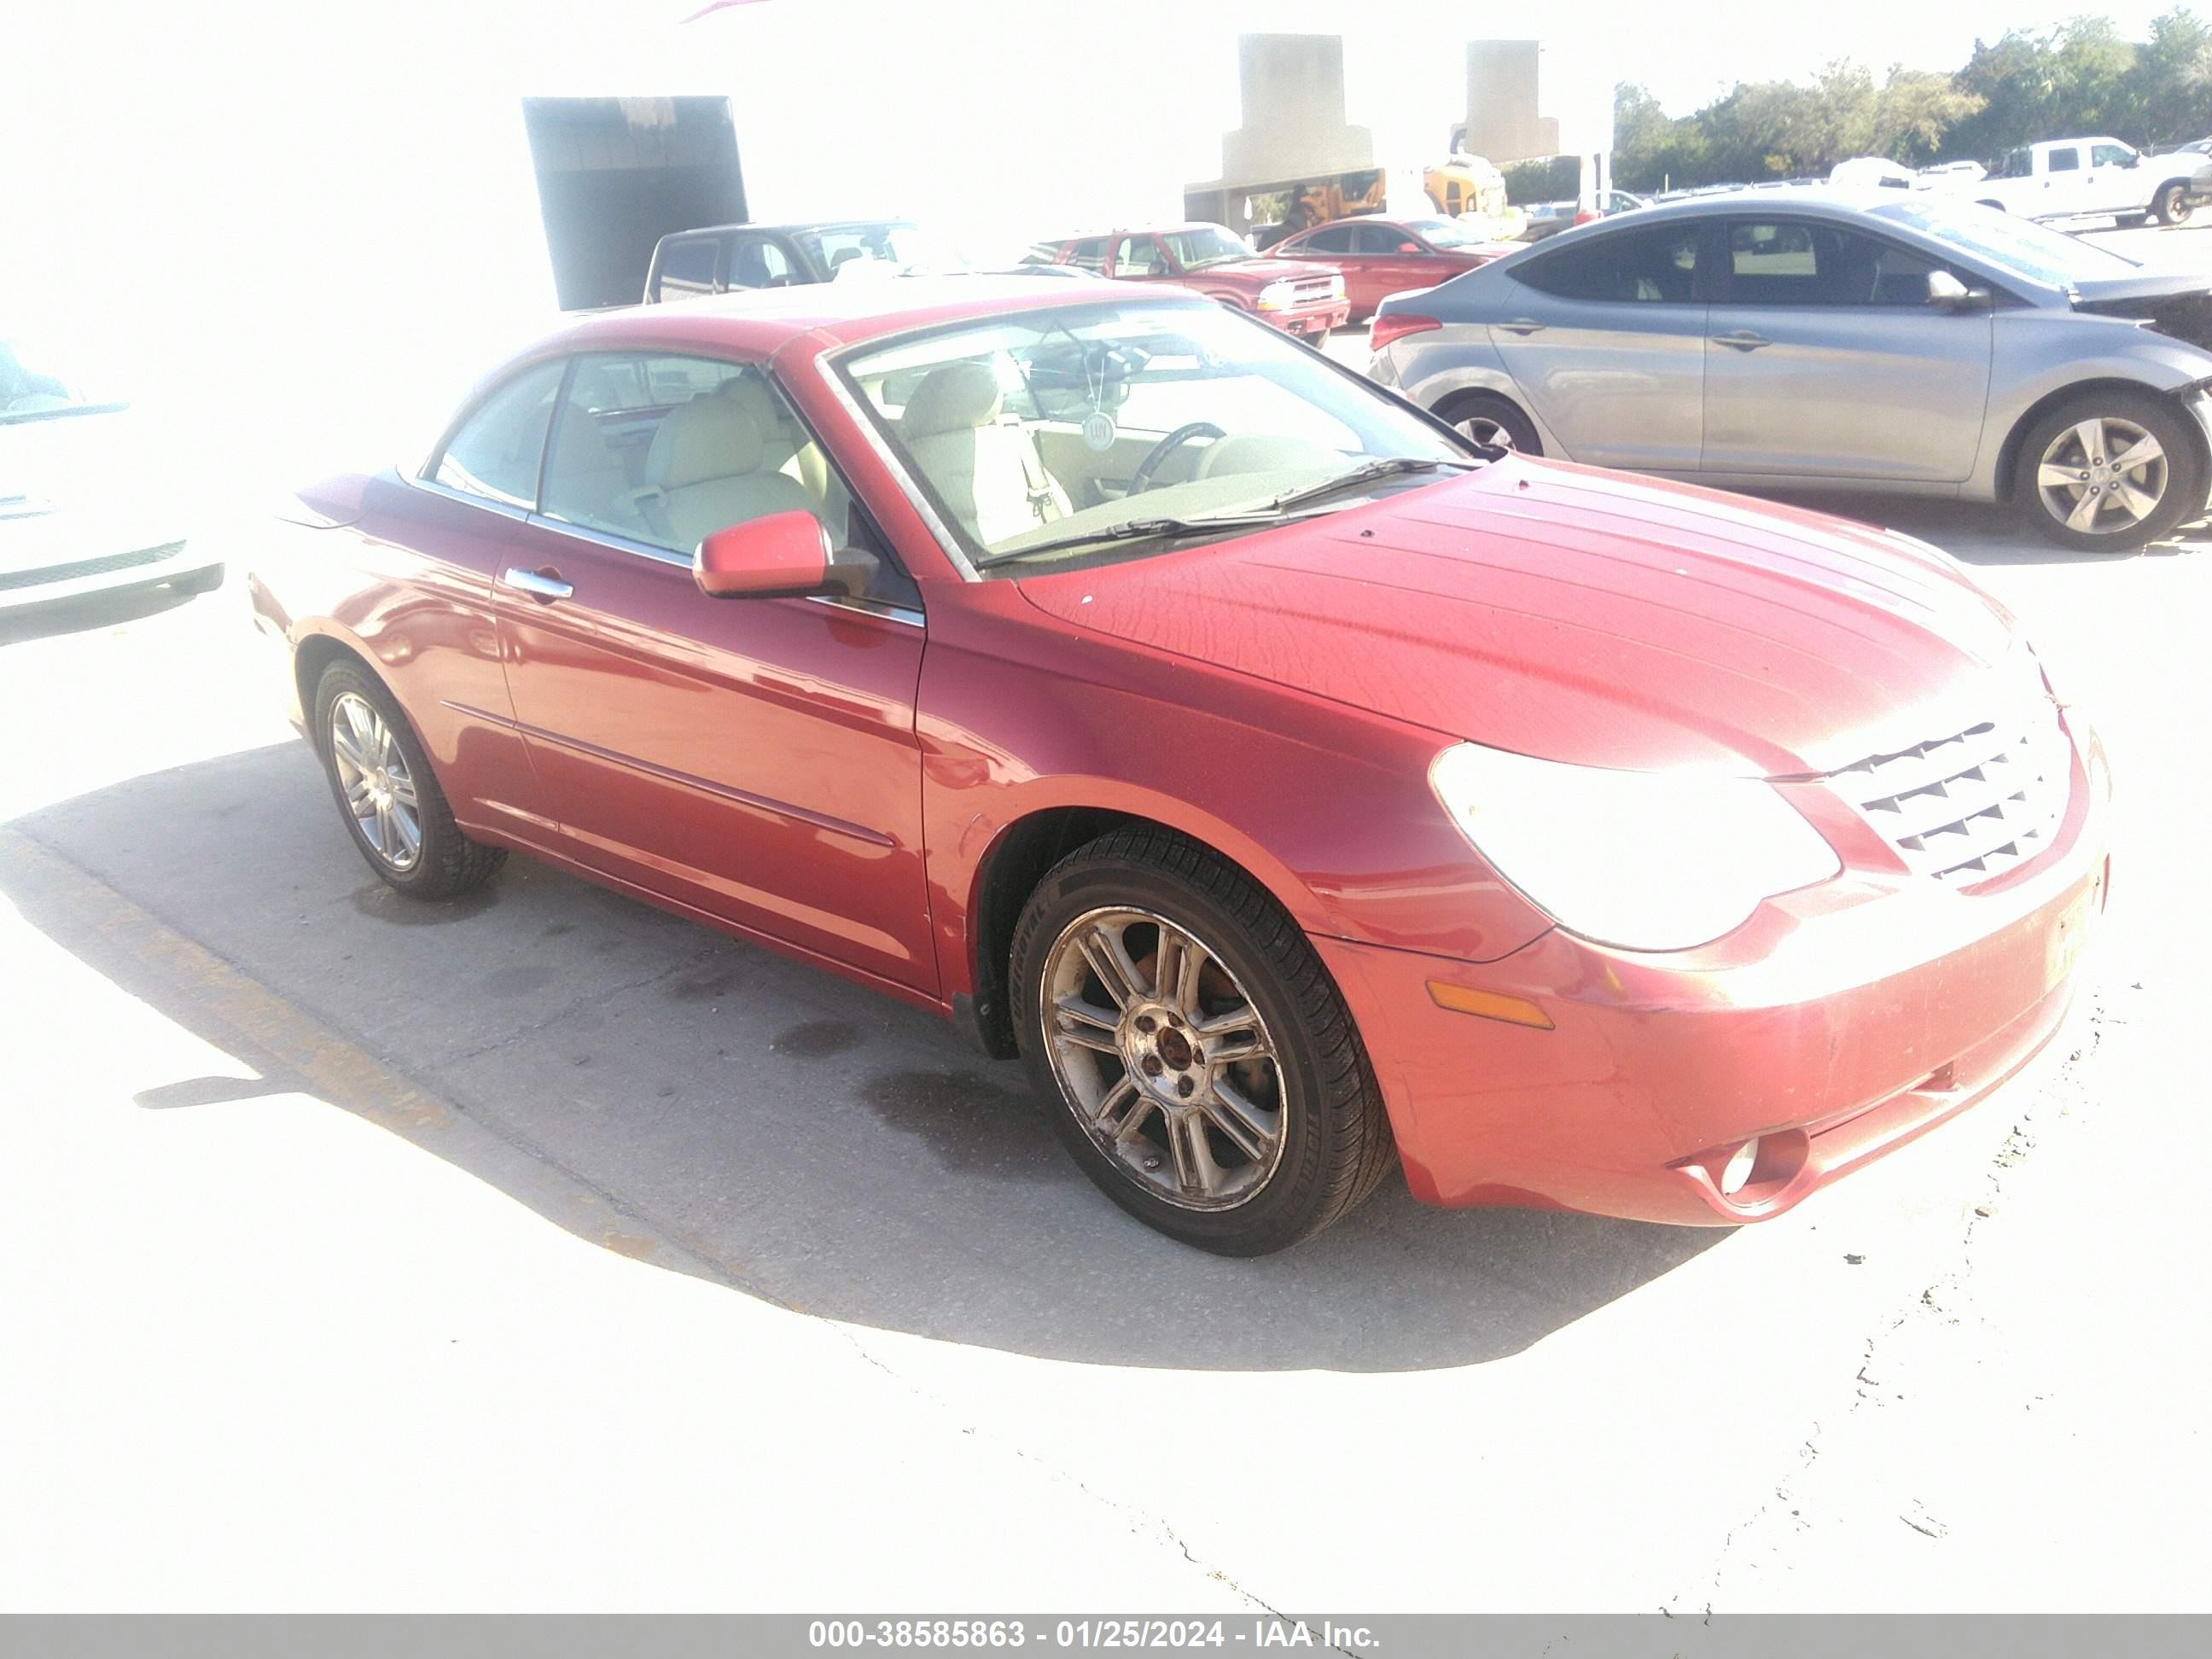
{"points": [[1795, 262], [757, 262], [1330, 239], [686, 267], [495, 453], [2064, 161], [1378, 238], [1089, 254], [1657, 264]]}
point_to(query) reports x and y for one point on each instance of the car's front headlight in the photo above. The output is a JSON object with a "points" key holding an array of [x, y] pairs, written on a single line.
{"points": [[1646, 860], [1336, 286], [1275, 296]]}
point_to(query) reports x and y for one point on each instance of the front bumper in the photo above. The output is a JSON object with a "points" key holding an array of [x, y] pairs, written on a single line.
{"points": [[73, 578], [1840, 1024], [1309, 319]]}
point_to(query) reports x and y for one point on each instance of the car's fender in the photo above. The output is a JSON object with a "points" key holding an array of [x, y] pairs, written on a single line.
{"points": [[1327, 806], [2041, 353], [1431, 372]]}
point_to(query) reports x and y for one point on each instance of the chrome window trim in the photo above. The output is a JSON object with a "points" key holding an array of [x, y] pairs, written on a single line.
{"points": [[432, 487], [609, 540]]}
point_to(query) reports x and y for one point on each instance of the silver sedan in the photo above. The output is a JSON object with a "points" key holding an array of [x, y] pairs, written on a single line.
{"points": [[1901, 344]]}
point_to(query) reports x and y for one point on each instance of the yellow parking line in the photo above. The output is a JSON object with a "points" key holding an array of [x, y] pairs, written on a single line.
{"points": [[98, 925]]}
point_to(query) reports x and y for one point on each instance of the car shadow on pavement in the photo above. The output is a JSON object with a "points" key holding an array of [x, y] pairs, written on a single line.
{"points": [[794, 1136], [83, 615]]}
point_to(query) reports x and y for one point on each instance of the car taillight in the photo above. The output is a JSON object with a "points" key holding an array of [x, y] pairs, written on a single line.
{"points": [[1395, 325]]}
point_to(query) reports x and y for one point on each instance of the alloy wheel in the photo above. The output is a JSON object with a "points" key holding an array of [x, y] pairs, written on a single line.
{"points": [[379, 791], [2103, 476], [1482, 430], [1164, 1058]]}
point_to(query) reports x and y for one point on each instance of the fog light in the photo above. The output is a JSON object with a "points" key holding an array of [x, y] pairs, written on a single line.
{"points": [[1739, 1169]]}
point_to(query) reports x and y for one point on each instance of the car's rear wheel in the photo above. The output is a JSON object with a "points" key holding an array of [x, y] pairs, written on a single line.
{"points": [[1199, 1063], [394, 811], [2169, 207], [1493, 421], [2107, 471]]}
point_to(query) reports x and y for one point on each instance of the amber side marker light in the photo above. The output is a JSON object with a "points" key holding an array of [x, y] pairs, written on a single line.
{"points": [[1488, 1004]]}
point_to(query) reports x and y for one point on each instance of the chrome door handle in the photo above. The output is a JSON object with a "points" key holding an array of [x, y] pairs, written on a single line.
{"points": [[537, 583], [1742, 340], [1522, 326]]}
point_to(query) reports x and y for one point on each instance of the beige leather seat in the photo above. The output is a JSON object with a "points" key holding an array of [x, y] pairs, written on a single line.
{"points": [[787, 448], [584, 479], [707, 471], [990, 475]]}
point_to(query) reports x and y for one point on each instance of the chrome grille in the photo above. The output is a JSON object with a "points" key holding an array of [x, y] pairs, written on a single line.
{"points": [[1307, 290], [1964, 808]]}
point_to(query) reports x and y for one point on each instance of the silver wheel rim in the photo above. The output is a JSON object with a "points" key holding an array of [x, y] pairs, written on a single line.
{"points": [[1483, 430], [2102, 476], [379, 789], [1163, 1058]]}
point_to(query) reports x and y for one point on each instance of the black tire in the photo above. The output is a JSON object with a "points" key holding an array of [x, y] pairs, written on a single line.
{"points": [[2167, 207], [1335, 1138], [1501, 413], [448, 863], [2184, 493], [200, 581], [1318, 341]]}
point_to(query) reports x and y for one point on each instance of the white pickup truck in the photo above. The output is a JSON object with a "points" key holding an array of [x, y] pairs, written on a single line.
{"points": [[2094, 177]]}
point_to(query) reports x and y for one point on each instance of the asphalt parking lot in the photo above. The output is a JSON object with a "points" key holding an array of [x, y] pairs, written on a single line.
{"points": [[542, 1250]]}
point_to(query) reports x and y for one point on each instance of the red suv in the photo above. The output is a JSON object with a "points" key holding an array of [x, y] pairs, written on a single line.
{"points": [[1306, 300]]}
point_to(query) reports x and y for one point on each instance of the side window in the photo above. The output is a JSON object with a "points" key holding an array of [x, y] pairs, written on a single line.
{"points": [[1657, 265], [686, 268], [495, 453], [1378, 239], [2064, 161], [2110, 156], [1140, 256], [1329, 238], [2015, 164], [667, 450], [1790, 263], [758, 262], [1089, 254]]}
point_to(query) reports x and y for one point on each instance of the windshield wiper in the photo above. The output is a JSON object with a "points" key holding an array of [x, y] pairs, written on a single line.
{"points": [[1134, 530], [1389, 466]]}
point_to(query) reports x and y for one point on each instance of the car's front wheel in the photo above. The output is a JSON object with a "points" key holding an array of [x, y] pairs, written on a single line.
{"points": [[2107, 471], [1493, 421], [1198, 1061], [2169, 207], [394, 811]]}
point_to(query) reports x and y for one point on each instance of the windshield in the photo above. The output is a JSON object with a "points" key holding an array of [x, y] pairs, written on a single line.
{"points": [[1443, 232], [35, 387], [837, 248], [1072, 425], [1208, 245], [2040, 255]]}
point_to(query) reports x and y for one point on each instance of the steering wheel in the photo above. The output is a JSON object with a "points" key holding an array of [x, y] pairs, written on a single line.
{"points": [[1141, 480]]}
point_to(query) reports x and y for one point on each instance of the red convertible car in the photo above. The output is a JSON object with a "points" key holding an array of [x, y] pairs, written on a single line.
{"points": [[1296, 789]]}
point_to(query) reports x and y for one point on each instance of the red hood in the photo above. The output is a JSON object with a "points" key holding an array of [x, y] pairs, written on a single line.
{"points": [[1259, 271], [1582, 616]]}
